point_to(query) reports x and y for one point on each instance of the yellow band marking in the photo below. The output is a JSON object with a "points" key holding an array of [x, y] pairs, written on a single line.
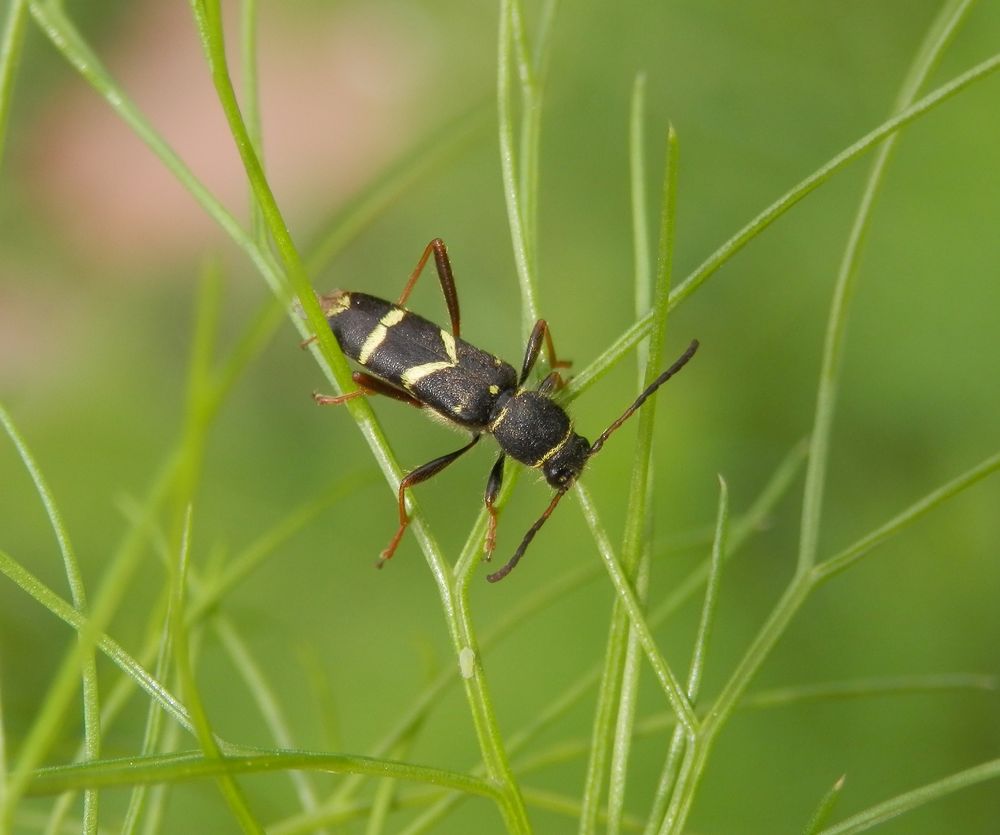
{"points": [[449, 346], [413, 375], [555, 449], [375, 338], [336, 302], [378, 334], [498, 419], [393, 317]]}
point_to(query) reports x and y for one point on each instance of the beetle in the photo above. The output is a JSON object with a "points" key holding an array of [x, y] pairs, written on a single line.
{"points": [[409, 358]]}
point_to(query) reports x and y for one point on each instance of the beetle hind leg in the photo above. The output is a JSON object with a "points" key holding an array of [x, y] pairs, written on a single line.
{"points": [[443, 264], [411, 479]]}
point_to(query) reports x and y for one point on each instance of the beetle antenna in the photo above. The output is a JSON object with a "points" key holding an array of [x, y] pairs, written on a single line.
{"points": [[642, 398], [513, 561]]}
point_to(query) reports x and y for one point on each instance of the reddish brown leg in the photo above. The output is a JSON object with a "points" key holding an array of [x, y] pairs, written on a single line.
{"points": [[493, 485], [551, 383], [551, 351], [509, 566], [367, 385], [420, 474], [540, 333], [443, 264]]}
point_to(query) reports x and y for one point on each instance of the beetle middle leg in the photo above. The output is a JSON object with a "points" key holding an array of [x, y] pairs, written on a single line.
{"points": [[493, 484], [443, 264], [411, 479], [367, 384], [540, 333]]}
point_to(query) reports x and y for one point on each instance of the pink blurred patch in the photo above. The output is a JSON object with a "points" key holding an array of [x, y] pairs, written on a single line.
{"points": [[340, 95]]}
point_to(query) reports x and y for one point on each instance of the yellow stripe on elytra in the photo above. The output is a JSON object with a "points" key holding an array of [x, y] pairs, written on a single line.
{"points": [[378, 334], [449, 346], [334, 303], [411, 376]]}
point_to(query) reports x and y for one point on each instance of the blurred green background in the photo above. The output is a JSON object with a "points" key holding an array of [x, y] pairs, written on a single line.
{"points": [[101, 254]]}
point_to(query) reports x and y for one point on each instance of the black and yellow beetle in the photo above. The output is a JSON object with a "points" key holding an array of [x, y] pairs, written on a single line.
{"points": [[408, 358]]}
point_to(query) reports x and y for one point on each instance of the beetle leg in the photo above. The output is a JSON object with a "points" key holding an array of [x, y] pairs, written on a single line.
{"points": [[493, 484], [443, 264], [367, 385], [411, 479], [552, 382], [540, 333]]}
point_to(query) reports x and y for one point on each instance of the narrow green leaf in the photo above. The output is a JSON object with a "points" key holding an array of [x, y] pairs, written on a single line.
{"points": [[940, 34], [193, 765], [853, 553], [640, 329], [185, 674], [259, 689], [664, 675], [88, 664], [825, 807], [638, 517], [516, 210], [154, 720], [11, 48], [909, 801]]}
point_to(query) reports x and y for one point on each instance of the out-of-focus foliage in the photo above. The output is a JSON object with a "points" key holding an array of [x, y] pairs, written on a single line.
{"points": [[99, 259]]}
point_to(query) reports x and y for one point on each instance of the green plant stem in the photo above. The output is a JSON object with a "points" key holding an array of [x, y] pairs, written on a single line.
{"points": [[113, 586], [849, 556], [678, 740], [88, 665], [612, 695], [749, 522], [774, 627], [332, 810], [711, 594], [521, 225], [825, 807], [570, 807], [251, 102], [632, 663], [654, 725], [4, 770], [532, 70], [185, 673], [267, 701], [154, 716], [940, 34], [68, 42], [63, 35], [664, 675], [801, 584], [903, 803], [193, 765], [181, 467], [11, 49], [640, 329], [208, 18]]}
